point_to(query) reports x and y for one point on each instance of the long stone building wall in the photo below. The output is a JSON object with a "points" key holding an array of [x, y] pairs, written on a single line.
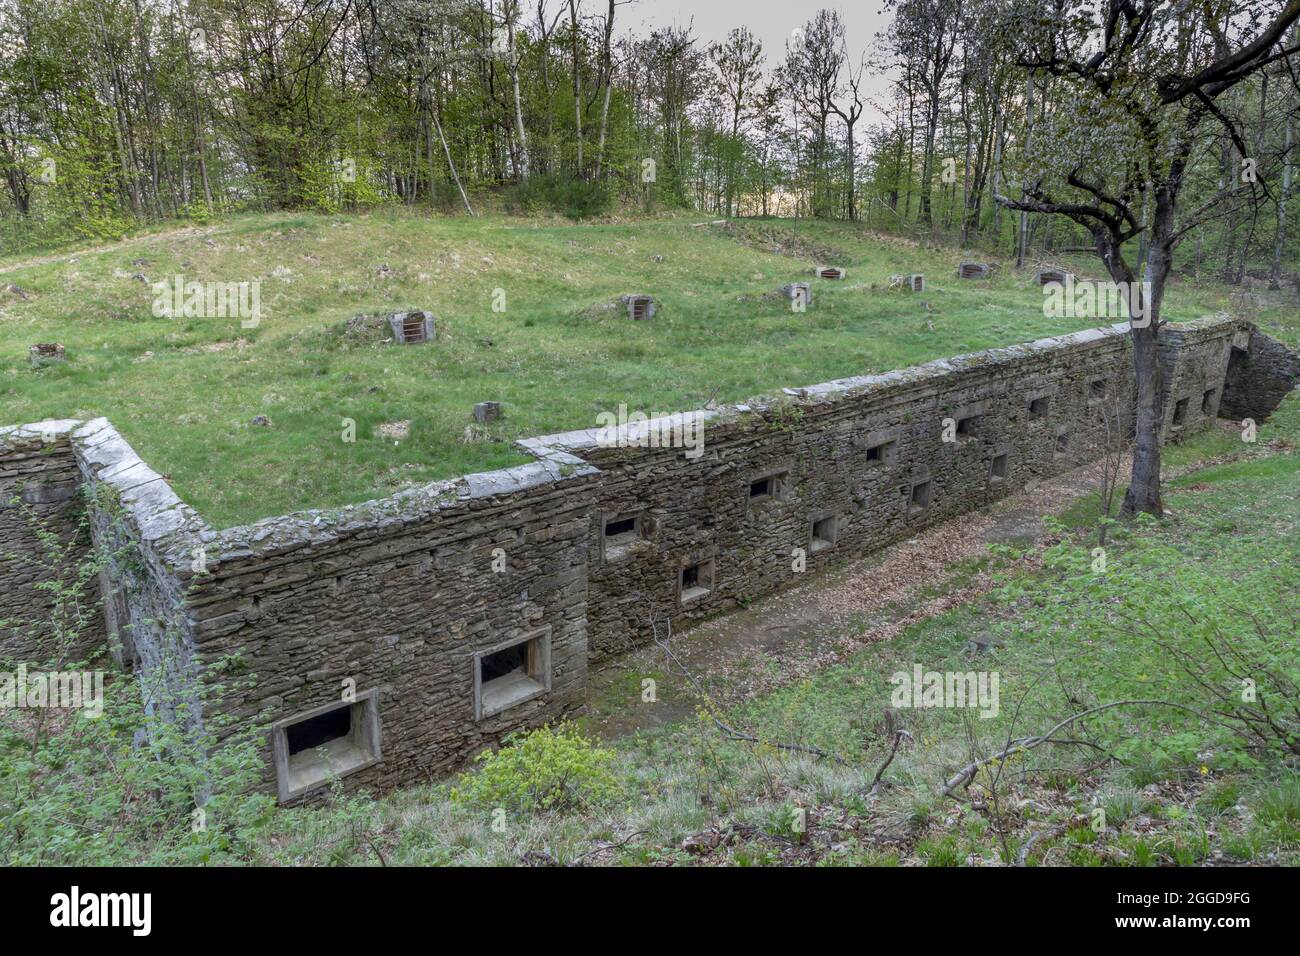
{"points": [[394, 639]]}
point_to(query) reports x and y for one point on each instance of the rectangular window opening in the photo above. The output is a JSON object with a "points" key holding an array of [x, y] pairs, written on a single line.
{"points": [[998, 468], [696, 581], [880, 454], [920, 496], [1062, 443], [331, 742], [1180, 411], [508, 676], [768, 487], [824, 533], [966, 426], [1038, 407], [1207, 402], [1097, 388], [620, 527]]}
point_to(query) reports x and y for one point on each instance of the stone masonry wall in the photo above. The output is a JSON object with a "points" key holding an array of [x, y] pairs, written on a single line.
{"points": [[38, 484], [397, 596], [394, 598], [820, 438], [1260, 373]]}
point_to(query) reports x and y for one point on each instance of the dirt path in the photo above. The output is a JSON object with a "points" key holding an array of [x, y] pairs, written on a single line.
{"points": [[786, 636]]}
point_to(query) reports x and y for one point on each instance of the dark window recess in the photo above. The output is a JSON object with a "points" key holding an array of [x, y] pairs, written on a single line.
{"points": [[921, 495], [614, 529], [966, 426], [1097, 388], [881, 452], [999, 466], [1039, 406], [1180, 411], [503, 663], [761, 488], [697, 580], [316, 731], [1062, 443], [1207, 402]]}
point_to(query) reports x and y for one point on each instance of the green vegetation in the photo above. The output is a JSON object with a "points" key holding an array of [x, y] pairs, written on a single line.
{"points": [[184, 392], [1210, 592]]}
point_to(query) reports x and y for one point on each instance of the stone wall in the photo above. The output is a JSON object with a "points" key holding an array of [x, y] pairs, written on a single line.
{"points": [[397, 596], [1261, 372], [38, 491], [397, 602], [1040, 405]]}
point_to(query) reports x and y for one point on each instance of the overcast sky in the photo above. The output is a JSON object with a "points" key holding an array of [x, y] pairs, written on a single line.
{"points": [[770, 20]]}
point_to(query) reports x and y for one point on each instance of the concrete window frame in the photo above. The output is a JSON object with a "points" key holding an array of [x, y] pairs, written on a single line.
{"points": [[362, 747], [823, 531], [777, 482], [526, 683], [1060, 443], [880, 448], [1000, 473], [695, 581], [920, 495], [618, 546]]}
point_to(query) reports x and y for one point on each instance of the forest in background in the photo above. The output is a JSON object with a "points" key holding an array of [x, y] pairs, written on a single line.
{"points": [[116, 113]]}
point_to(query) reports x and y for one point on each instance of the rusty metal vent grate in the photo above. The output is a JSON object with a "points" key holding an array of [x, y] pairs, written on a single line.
{"points": [[413, 328]]}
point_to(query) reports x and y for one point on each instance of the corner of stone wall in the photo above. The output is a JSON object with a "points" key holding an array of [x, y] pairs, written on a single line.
{"points": [[150, 545], [1261, 371], [38, 493]]}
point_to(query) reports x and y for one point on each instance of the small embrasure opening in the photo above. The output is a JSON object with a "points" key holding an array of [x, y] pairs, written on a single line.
{"points": [[326, 745], [1038, 407], [920, 495], [1180, 411], [318, 731], [966, 426], [824, 532], [697, 580], [1097, 388], [879, 454], [621, 532], [512, 675], [998, 469], [1062, 443], [620, 527], [767, 487], [1207, 401]]}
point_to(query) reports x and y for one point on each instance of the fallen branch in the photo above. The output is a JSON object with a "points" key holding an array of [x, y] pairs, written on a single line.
{"points": [[1025, 744]]}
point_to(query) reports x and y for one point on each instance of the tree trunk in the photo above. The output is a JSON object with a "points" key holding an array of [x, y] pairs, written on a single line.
{"points": [[577, 86]]}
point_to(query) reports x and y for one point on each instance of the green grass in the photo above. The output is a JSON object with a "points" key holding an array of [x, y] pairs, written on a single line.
{"points": [[185, 391]]}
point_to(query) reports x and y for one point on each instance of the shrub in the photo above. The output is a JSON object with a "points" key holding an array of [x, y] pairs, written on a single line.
{"points": [[545, 769], [575, 198]]}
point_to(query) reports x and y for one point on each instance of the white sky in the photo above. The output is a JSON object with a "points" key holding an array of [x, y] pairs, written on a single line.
{"points": [[770, 20]]}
